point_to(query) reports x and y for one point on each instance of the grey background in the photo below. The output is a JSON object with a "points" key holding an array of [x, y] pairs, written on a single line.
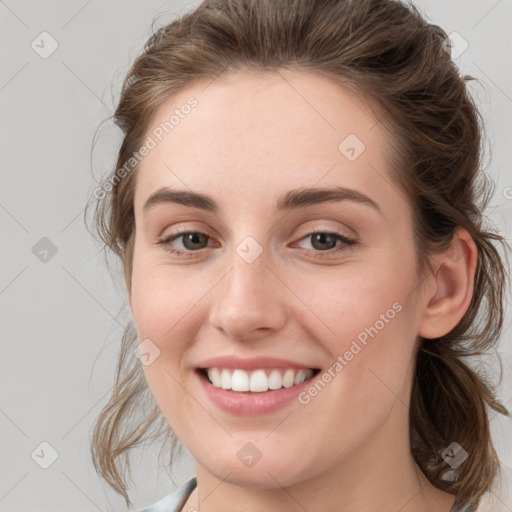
{"points": [[62, 318]]}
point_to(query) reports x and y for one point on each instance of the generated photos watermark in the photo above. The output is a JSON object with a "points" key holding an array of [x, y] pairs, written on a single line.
{"points": [[150, 142], [344, 359]]}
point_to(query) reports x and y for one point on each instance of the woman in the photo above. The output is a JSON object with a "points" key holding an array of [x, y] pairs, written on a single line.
{"points": [[296, 204]]}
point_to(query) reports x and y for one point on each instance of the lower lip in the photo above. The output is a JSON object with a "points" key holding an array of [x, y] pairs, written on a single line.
{"points": [[250, 404]]}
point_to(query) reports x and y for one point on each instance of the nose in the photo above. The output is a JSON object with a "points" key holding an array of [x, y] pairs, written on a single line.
{"points": [[250, 301]]}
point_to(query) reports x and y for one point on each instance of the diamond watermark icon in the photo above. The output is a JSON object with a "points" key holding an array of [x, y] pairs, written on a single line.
{"points": [[44, 45], [455, 455], [44, 455], [351, 147], [249, 249], [147, 352], [249, 455], [44, 250], [455, 45]]}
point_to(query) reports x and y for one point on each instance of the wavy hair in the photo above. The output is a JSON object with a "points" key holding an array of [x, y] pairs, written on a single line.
{"points": [[386, 51]]}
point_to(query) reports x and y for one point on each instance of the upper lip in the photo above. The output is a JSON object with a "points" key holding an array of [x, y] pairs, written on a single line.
{"points": [[252, 363]]}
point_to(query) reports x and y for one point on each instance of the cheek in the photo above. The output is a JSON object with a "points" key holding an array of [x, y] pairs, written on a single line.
{"points": [[164, 301], [162, 308], [165, 307], [358, 303], [368, 324]]}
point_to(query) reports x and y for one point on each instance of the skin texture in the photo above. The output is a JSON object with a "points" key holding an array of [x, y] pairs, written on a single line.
{"points": [[250, 139]]}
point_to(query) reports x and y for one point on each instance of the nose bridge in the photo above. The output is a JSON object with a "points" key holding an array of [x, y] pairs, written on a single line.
{"points": [[246, 302]]}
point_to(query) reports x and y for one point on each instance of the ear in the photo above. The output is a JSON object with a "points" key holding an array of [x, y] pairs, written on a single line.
{"points": [[454, 272]]}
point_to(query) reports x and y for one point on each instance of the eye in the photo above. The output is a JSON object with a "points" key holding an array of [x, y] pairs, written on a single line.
{"points": [[323, 241], [192, 241]]}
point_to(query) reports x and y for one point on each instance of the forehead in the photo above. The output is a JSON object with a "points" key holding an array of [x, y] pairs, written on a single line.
{"points": [[263, 133]]}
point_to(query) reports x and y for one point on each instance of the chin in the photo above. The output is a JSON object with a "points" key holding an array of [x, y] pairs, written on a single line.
{"points": [[269, 472]]}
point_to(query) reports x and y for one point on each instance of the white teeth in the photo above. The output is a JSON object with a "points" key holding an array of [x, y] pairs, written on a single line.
{"points": [[225, 379], [288, 378], [300, 376], [257, 380], [274, 380], [239, 381], [214, 376]]}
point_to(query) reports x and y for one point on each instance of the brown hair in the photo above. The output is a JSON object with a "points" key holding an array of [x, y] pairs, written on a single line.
{"points": [[386, 51]]}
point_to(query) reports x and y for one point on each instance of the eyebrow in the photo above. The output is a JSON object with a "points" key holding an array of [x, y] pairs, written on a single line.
{"points": [[293, 199]]}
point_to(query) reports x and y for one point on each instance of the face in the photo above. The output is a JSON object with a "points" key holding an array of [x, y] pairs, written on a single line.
{"points": [[266, 279]]}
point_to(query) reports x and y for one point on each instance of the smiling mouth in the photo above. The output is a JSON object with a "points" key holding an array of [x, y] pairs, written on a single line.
{"points": [[257, 381]]}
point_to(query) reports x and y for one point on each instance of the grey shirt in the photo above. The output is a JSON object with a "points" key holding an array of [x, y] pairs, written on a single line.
{"points": [[174, 502]]}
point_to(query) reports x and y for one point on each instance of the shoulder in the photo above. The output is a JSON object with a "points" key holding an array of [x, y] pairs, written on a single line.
{"points": [[174, 501]]}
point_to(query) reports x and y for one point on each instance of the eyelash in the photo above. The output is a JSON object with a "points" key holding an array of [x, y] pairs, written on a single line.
{"points": [[347, 243]]}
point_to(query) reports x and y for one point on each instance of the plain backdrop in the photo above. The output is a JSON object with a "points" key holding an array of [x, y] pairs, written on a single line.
{"points": [[62, 315]]}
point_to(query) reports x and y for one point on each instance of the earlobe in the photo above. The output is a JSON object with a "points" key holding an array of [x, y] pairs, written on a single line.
{"points": [[453, 276]]}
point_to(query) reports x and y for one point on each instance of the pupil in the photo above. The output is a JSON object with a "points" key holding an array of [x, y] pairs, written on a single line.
{"points": [[193, 238], [321, 237]]}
